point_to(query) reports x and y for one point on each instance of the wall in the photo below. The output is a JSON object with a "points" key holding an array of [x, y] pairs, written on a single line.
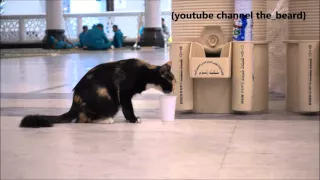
{"points": [[138, 5], [276, 34], [86, 6], [129, 5], [18, 7], [308, 29]]}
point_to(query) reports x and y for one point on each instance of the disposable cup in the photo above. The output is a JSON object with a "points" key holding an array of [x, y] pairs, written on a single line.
{"points": [[168, 107]]}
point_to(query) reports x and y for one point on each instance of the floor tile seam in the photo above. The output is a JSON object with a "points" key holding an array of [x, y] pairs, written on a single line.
{"points": [[271, 168], [229, 145], [271, 153], [48, 88]]}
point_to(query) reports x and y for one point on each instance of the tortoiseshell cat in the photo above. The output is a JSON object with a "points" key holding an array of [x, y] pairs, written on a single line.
{"points": [[104, 89]]}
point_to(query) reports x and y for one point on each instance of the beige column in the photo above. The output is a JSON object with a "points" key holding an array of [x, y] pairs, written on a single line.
{"points": [[302, 77], [183, 87], [259, 29]]}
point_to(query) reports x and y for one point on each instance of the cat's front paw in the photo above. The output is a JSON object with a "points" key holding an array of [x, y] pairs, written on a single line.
{"points": [[136, 120]]}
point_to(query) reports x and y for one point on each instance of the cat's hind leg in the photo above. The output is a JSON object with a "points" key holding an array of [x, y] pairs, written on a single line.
{"points": [[105, 106], [86, 114], [83, 118]]}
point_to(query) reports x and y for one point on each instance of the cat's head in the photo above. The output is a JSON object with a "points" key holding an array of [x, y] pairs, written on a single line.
{"points": [[164, 80]]}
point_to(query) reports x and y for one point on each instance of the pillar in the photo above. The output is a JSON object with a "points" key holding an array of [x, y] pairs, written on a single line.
{"points": [[54, 19], [152, 34]]}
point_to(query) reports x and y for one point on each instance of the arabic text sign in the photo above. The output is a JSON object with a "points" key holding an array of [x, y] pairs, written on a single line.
{"points": [[310, 75], [242, 84], [209, 68], [181, 74]]}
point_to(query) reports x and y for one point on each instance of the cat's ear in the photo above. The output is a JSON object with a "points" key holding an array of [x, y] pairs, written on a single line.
{"points": [[166, 67]]}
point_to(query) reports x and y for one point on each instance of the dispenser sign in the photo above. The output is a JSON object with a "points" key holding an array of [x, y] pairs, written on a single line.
{"points": [[310, 75], [211, 71], [242, 85], [181, 75]]}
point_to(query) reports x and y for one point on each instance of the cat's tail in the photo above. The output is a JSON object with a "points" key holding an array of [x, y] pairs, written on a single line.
{"points": [[37, 121]]}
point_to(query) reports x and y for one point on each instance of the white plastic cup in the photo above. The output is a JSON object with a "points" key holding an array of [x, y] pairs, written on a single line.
{"points": [[168, 107]]}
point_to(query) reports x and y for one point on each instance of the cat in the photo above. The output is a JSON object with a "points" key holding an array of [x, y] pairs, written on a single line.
{"points": [[105, 88]]}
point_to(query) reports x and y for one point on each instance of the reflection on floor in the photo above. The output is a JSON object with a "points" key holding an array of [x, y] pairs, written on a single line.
{"points": [[277, 145]]}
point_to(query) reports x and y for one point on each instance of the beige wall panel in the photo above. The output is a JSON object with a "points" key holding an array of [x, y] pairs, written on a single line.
{"points": [[308, 29], [186, 29]]}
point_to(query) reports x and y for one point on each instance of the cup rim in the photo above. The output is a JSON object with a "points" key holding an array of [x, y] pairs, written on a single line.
{"points": [[168, 95]]}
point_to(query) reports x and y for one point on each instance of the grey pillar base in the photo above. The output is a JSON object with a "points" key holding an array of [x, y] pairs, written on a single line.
{"points": [[152, 37], [56, 33]]}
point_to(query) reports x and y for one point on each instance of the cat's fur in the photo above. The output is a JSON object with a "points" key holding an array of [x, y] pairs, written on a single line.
{"points": [[104, 89]]}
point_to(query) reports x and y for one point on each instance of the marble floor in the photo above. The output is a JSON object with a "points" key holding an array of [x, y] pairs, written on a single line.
{"points": [[278, 145]]}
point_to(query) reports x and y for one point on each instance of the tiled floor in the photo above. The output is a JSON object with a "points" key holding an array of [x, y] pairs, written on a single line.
{"points": [[278, 145]]}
